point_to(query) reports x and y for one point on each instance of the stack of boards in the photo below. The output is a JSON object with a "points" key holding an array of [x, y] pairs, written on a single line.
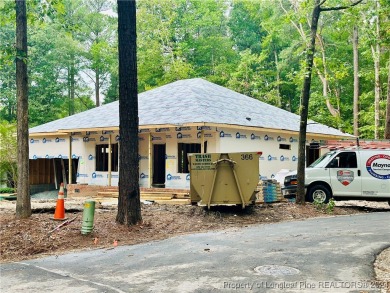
{"points": [[160, 197]]}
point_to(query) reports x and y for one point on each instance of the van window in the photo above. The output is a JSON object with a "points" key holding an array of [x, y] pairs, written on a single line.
{"points": [[322, 161], [344, 160]]}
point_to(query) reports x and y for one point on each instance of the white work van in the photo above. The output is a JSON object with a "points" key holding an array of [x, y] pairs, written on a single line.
{"points": [[345, 174]]}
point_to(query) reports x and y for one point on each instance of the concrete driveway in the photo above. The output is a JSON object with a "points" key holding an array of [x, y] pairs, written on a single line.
{"points": [[317, 255]]}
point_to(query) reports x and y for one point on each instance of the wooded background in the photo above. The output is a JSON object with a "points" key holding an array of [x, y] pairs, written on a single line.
{"points": [[254, 47]]}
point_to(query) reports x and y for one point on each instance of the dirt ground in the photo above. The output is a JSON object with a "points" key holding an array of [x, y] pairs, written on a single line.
{"points": [[34, 237]]}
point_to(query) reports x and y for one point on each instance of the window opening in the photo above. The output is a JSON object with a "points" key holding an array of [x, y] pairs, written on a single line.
{"points": [[183, 150], [102, 157], [284, 146]]}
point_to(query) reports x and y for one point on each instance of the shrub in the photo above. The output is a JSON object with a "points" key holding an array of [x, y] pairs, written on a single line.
{"points": [[6, 190]]}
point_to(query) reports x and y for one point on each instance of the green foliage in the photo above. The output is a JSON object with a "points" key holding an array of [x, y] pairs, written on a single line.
{"points": [[7, 70], [325, 207], [112, 92], [246, 26], [7, 190], [8, 153], [330, 206], [254, 47]]}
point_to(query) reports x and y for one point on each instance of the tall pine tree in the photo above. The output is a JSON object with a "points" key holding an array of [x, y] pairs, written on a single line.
{"points": [[129, 205]]}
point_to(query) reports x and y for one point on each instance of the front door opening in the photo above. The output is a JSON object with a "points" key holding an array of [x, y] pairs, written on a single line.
{"points": [[61, 171], [158, 165]]}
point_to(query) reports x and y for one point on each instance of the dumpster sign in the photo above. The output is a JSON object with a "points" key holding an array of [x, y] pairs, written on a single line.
{"points": [[205, 161], [202, 162]]}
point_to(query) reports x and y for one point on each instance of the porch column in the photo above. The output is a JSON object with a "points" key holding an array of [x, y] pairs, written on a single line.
{"points": [[150, 145], [70, 160], [202, 141], [109, 160]]}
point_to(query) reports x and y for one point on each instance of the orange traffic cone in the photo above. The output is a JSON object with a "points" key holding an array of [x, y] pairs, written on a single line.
{"points": [[59, 213]]}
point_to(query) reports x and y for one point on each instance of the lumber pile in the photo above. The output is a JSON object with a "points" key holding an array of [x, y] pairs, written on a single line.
{"points": [[269, 191], [108, 194], [160, 197], [166, 197]]}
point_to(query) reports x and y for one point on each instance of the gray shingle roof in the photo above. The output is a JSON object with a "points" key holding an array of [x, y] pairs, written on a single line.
{"points": [[190, 101]]}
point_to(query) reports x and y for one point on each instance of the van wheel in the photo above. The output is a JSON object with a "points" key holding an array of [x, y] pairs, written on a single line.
{"points": [[319, 194]]}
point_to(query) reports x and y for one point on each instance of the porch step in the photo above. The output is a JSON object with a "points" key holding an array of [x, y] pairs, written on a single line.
{"points": [[111, 189], [108, 194], [181, 195], [174, 201], [156, 196], [160, 196]]}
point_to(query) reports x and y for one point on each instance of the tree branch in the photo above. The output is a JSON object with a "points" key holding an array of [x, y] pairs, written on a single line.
{"points": [[93, 79], [323, 1], [339, 7], [299, 28]]}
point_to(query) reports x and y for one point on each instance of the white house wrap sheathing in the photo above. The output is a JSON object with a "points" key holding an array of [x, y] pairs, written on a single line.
{"points": [[188, 111]]}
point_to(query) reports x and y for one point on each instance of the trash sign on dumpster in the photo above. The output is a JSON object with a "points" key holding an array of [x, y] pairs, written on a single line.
{"points": [[202, 162]]}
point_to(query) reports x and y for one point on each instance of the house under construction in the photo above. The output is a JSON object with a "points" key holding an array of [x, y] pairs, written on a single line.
{"points": [[186, 116]]}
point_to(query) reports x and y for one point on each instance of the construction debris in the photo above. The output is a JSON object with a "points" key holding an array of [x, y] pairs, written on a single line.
{"points": [[67, 222]]}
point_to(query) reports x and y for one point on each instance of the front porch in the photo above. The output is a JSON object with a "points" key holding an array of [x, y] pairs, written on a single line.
{"points": [[158, 195]]}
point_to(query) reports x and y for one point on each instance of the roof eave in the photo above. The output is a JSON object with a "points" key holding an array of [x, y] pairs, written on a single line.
{"points": [[190, 124], [40, 134]]}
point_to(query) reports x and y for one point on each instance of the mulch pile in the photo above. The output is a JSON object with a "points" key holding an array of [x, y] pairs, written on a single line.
{"points": [[34, 237]]}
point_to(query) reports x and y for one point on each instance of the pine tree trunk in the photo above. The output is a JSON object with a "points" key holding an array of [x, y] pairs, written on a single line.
{"points": [[305, 95], [97, 87], [355, 42], [279, 97], [377, 97], [72, 85], [129, 205], [387, 126], [68, 87], [376, 56], [23, 203]]}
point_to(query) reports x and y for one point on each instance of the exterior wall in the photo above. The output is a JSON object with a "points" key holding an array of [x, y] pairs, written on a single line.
{"points": [[144, 172], [273, 158], [84, 145], [173, 179], [83, 148], [172, 137], [49, 147]]}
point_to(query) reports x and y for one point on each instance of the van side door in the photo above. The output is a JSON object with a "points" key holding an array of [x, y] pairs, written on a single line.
{"points": [[345, 176], [375, 173]]}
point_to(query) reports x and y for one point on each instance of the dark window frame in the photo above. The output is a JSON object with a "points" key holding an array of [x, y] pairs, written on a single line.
{"points": [[101, 157], [183, 149], [284, 146]]}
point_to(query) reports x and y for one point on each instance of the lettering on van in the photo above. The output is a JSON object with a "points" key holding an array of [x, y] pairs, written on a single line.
{"points": [[378, 166], [345, 177]]}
